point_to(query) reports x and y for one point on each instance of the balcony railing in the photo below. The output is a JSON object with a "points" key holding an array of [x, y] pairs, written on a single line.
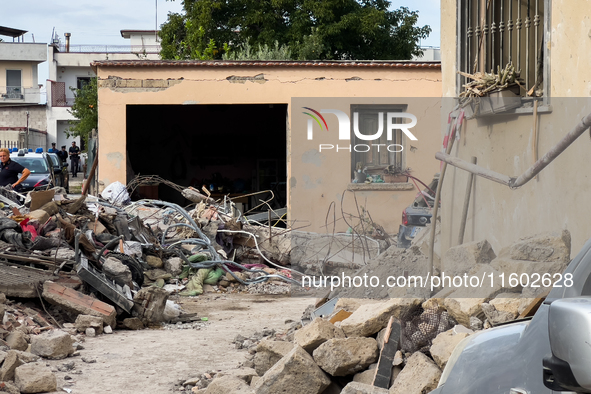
{"points": [[139, 49], [58, 95], [19, 94]]}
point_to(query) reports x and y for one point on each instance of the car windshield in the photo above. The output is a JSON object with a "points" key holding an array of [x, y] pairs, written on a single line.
{"points": [[37, 165], [54, 160]]}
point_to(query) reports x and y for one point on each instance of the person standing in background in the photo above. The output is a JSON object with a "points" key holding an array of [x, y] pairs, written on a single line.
{"points": [[74, 158]]}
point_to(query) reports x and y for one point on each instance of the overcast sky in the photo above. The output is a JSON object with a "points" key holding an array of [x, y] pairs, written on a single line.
{"points": [[100, 22]]}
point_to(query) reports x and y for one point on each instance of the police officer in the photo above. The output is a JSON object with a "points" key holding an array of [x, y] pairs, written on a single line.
{"points": [[74, 158], [10, 170]]}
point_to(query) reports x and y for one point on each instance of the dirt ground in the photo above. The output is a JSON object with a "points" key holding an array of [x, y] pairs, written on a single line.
{"points": [[153, 360]]}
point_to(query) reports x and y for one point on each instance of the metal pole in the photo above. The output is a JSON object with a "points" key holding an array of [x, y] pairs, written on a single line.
{"points": [[538, 166], [466, 205]]}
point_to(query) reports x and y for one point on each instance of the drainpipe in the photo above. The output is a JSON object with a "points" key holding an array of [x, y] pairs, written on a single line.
{"points": [[535, 169], [67, 35]]}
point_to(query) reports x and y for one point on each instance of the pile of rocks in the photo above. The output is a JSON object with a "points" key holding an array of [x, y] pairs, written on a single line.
{"points": [[336, 355], [21, 360]]}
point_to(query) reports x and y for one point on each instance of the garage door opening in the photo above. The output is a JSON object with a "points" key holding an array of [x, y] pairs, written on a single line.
{"points": [[232, 149]]}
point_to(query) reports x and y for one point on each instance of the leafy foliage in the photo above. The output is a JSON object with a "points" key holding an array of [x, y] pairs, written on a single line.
{"points": [[264, 52], [328, 29], [85, 109]]}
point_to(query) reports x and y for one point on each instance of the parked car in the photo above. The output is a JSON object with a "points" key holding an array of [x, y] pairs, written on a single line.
{"points": [[60, 171], [418, 215], [547, 354], [41, 167]]}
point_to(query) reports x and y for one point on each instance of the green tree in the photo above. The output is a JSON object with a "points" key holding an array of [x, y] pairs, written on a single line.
{"points": [[85, 110], [328, 29]]}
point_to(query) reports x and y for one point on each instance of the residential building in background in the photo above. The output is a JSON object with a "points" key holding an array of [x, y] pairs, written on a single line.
{"points": [[69, 69], [22, 119]]}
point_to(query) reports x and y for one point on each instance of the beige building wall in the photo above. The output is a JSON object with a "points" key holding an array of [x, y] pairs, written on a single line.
{"points": [[504, 143], [314, 180], [27, 71]]}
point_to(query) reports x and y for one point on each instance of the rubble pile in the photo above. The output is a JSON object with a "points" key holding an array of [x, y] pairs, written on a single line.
{"points": [[394, 345]]}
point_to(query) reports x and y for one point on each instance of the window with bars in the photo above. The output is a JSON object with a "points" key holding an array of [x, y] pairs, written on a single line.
{"points": [[495, 33], [375, 155]]}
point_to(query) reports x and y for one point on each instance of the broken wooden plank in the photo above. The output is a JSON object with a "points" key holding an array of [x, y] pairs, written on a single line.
{"points": [[533, 306], [383, 373]]}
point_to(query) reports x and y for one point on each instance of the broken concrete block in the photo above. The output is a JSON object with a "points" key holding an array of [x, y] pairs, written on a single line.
{"points": [[107, 330], [245, 374], [35, 378], [496, 317], [77, 302], [27, 357], [420, 375], [228, 385], [88, 321], [268, 353], [371, 318], [510, 302], [462, 309], [462, 258], [17, 340], [154, 262], [174, 266], [341, 357], [316, 333], [475, 323], [365, 377], [295, 373], [443, 345], [90, 332], [55, 345], [115, 270], [352, 304], [150, 303], [362, 388], [133, 323], [11, 362], [545, 247]]}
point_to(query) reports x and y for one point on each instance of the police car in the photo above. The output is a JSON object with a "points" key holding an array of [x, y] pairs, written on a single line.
{"points": [[42, 175]]}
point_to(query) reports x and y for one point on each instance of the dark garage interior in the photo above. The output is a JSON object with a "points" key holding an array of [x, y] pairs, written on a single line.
{"points": [[232, 149]]}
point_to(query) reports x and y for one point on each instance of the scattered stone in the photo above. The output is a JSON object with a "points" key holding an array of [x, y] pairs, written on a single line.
{"points": [[316, 333], [11, 362], [462, 309], [54, 345], [26, 357], [475, 323], [2, 298], [510, 302], [443, 345], [16, 340], [154, 261], [115, 270], [8, 387], [398, 358], [174, 266], [88, 321], [462, 258], [497, 317], [133, 323], [365, 377], [268, 353], [228, 385], [66, 367], [341, 357], [295, 373], [245, 374], [420, 375], [362, 388], [107, 330], [35, 378], [90, 332], [371, 318], [89, 360]]}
